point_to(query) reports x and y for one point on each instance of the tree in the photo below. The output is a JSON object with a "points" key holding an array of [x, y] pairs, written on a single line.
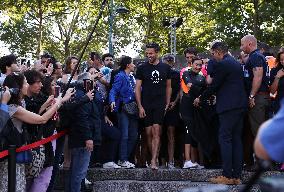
{"points": [[62, 26], [27, 16]]}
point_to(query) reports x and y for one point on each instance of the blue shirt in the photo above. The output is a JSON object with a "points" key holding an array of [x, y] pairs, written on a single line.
{"points": [[256, 59], [122, 90], [271, 137], [4, 107]]}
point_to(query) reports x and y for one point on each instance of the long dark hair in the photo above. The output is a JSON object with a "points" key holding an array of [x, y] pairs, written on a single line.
{"points": [[67, 68], [15, 80], [46, 86], [278, 64]]}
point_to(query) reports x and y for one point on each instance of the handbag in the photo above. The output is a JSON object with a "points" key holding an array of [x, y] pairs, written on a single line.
{"points": [[34, 168], [24, 157], [130, 108]]}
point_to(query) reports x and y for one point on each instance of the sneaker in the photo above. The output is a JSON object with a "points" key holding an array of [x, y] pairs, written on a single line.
{"points": [[199, 166], [171, 165], [189, 165], [111, 165], [96, 165], [87, 182], [222, 180], [127, 165], [119, 163]]}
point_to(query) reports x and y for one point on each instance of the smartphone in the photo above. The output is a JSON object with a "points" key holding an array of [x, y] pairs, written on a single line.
{"points": [[88, 85], [57, 91]]}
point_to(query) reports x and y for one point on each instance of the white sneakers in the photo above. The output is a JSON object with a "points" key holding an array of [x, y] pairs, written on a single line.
{"points": [[126, 164], [190, 165], [87, 182], [199, 166], [111, 165], [120, 164]]}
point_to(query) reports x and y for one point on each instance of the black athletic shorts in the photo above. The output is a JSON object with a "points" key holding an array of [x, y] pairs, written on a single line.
{"points": [[188, 139], [154, 116], [172, 117]]}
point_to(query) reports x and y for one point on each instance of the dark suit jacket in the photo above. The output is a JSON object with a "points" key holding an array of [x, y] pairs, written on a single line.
{"points": [[228, 84]]}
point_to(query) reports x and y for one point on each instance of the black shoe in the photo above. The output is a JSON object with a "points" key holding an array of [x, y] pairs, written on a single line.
{"points": [[96, 165]]}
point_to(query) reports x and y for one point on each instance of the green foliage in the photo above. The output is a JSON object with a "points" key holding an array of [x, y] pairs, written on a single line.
{"points": [[61, 27]]}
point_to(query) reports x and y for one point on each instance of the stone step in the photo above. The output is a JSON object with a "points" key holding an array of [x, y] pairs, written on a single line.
{"points": [[193, 175], [163, 186], [184, 176]]}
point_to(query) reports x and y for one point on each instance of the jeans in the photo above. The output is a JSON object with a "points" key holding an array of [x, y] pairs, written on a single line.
{"points": [[128, 127], [112, 139], [57, 161], [230, 140], [80, 159]]}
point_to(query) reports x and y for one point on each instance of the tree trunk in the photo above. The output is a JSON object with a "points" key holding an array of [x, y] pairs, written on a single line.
{"points": [[149, 8], [66, 47], [256, 24], [40, 28]]}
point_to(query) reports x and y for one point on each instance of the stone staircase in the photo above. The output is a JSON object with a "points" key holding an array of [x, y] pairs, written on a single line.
{"points": [[162, 180]]}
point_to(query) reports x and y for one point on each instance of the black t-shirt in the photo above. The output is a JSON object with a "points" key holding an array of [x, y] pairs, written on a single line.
{"points": [[175, 78], [256, 59], [198, 83], [154, 79]]}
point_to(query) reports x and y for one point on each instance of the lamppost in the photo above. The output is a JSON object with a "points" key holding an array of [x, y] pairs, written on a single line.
{"points": [[113, 12]]}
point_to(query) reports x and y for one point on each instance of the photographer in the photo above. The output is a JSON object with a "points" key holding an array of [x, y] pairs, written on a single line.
{"points": [[39, 171], [81, 140], [70, 65], [20, 115]]}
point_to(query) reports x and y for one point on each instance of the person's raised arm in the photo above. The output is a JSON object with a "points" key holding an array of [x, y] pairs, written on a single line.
{"points": [[33, 118]]}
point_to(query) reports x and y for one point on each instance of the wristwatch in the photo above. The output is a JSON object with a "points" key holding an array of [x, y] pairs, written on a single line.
{"points": [[251, 97]]}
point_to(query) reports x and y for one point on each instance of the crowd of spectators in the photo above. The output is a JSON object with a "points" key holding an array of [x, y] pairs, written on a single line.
{"points": [[152, 114]]}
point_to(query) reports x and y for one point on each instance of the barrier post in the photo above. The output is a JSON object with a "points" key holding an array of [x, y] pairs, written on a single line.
{"points": [[12, 168]]}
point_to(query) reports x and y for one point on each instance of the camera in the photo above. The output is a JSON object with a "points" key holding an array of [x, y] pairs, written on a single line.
{"points": [[13, 91], [57, 91]]}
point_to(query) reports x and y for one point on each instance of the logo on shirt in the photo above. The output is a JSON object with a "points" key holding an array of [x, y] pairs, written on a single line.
{"points": [[155, 77]]}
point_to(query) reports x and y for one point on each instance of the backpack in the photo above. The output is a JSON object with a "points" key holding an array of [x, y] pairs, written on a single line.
{"points": [[9, 134]]}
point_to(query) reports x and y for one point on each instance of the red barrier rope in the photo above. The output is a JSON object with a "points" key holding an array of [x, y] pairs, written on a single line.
{"points": [[35, 144]]}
